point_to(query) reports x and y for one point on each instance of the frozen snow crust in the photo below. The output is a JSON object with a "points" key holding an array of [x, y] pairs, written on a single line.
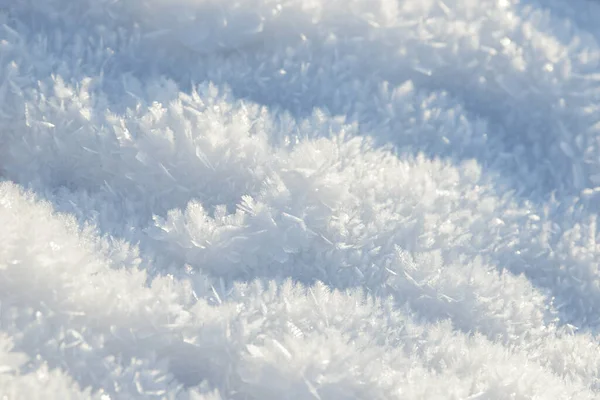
{"points": [[301, 199]]}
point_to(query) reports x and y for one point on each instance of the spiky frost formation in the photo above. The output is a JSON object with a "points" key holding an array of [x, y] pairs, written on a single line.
{"points": [[304, 199]]}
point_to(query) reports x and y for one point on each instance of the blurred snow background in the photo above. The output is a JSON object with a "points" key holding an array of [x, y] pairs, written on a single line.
{"points": [[299, 199]]}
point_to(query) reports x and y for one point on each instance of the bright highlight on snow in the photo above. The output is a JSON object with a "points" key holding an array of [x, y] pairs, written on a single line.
{"points": [[299, 199]]}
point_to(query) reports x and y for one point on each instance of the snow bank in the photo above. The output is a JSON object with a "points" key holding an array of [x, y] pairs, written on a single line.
{"points": [[303, 199]]}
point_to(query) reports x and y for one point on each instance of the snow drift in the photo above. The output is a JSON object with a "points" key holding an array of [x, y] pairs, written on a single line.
{"points": [[299, 199]]}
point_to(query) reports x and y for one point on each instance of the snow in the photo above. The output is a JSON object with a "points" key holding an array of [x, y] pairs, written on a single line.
{"points": [[299, 199]]}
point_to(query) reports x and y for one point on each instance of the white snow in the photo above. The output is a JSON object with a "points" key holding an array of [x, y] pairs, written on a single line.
{"points": [[299, 199]]}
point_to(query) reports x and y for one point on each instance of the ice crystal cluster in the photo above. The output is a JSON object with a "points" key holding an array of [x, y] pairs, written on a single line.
{"points": [[299, 199]]}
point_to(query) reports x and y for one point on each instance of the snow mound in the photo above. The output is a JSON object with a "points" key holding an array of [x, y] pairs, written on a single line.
{"points": [[299, 199]]}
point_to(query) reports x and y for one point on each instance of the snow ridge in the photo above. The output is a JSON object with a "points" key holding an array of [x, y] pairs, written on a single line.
{"points": [[299, 199]]}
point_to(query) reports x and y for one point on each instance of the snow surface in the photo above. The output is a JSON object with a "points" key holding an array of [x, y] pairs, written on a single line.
{"points": [[299, 199]]}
